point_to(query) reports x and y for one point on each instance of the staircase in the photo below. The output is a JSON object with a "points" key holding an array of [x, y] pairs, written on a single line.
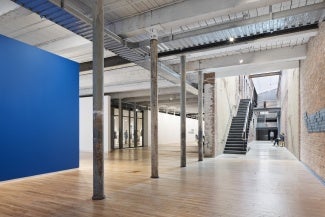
{"points": [[236, 144]]}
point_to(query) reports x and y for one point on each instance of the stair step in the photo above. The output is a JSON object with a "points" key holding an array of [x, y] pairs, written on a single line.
{"points": [[233, 152], [238, 138], [236, 145], [235, 141], [232, 134], [236, 148]]}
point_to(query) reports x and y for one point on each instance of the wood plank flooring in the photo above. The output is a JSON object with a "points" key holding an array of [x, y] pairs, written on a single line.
{"points": [[268, 181]]}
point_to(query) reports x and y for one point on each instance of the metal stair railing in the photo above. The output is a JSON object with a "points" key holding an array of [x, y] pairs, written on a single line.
{"points": [[244, 133]]}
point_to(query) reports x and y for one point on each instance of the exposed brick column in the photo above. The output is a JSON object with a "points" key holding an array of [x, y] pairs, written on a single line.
{"points": [[209, 115]]}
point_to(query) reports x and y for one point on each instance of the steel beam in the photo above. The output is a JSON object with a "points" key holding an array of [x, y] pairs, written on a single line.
{"points": [[319, 8], [183, 111], [209, 46], [183, 13], [98, 100], [108, 62]]}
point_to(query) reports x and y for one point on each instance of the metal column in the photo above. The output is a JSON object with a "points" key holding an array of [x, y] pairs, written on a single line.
{"points": [[120, 124], [154, 103], [98, 100], [183, 111], [200, 115], [135, 128]]}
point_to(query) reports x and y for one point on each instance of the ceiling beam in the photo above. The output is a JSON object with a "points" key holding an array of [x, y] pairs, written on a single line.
{"points": [[252, 69], [170, 75], [265, 74], [145, 93], [249, 59], [163, 70], [164, 97], [319, 7], [246, 39], [183, 13], [124, 87], [71, 8], [108, 62], [243, 46]]}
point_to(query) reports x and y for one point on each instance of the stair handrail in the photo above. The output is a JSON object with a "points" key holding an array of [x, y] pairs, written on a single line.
{"points": [[243, 135]]}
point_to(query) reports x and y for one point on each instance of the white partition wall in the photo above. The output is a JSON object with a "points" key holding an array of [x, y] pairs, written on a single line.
{"points": [[86, 123], [169, 129]]}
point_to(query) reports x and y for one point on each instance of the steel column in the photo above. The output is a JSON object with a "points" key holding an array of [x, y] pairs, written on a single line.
{"points": [[135, 128], [154, 104], [183, 111], [200, 115], [120, 125], [98, 100]]}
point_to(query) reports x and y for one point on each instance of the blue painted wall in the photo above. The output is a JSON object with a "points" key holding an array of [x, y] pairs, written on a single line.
{"points": [[39, 111]]}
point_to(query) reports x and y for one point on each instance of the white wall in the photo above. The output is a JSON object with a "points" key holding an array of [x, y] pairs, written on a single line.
{"points": [[147, 128], [169, 129], [227, 97], [86, 123]]}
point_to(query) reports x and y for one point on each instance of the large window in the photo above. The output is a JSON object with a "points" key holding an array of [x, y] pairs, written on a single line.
{"points": [[132, 129]]}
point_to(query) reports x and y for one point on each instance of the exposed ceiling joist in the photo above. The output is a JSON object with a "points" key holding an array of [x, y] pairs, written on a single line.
{"points": [[245, 47], [247, 39], [122, 46], [182, 13], [70, 7], [316, 8]]}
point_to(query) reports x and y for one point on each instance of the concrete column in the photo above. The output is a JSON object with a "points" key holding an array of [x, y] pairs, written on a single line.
{"points": [[154, 103], [200, 115], [120, 125], [98, 100], [135, 128], [183, 111], [209, 115]]}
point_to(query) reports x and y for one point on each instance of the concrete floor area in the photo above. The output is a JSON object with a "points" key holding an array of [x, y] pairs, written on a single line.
{"points": [[268, 181]]}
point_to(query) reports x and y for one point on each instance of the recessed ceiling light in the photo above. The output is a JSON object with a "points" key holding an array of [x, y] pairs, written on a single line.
{"points": [[241, 61], [231, 39]]}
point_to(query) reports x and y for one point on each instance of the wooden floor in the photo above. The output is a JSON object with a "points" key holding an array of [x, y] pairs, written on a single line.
{"points": [[268, 181]]}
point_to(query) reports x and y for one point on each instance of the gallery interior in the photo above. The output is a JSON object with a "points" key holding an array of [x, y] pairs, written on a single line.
{"points": [[162, 108]]}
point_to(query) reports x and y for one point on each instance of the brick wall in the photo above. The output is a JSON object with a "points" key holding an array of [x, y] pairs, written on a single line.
{"points": [[209, 115], [312, 100], [289, 101]]}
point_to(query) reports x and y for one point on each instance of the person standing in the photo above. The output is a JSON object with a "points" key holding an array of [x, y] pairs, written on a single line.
{"points": [[271, 135], [126, 136]]}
